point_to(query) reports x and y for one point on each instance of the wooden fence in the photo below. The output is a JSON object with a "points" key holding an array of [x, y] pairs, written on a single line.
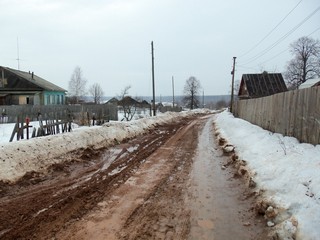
{"points": [[51, 127], [78, 113], [293, 113]]}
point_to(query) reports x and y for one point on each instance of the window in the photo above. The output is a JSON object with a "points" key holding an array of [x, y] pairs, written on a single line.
{"points": [[48, 99]]}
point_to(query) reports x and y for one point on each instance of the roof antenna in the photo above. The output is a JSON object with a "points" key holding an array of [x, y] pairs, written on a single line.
{"points": [[18, 59]]}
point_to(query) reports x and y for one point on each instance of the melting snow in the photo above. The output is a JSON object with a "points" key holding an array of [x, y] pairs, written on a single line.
{"points": [[288, 171]]}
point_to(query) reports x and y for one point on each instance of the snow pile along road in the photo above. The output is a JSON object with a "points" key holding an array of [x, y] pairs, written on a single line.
{"points": [[287, 171], [37, 154]]}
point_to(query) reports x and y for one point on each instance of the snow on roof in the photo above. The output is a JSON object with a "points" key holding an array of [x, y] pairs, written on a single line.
{"points": [[309, 83]]}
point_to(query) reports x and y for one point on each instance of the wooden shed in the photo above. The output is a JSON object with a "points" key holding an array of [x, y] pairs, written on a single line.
{"points": [[261, 85]]}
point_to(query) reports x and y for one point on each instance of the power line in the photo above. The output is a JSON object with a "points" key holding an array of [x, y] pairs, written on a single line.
{"points": [[245, 67], [250, 50], [314, 31], [278, 54], [282, 38], [287, 48]]}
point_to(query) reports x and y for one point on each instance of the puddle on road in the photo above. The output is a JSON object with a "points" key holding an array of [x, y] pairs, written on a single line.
{"points": [[217, 212], [206, 224]]}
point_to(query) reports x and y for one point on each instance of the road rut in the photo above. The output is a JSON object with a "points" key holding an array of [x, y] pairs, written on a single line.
{"points": [[167, 184]]}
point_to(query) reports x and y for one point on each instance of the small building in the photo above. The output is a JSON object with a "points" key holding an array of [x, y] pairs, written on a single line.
{"points": [[113, 101], [261, 85], [310, 83], [20, 88]]}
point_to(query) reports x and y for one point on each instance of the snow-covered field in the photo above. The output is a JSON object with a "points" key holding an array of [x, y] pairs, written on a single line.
{"points": [[286, 171]]}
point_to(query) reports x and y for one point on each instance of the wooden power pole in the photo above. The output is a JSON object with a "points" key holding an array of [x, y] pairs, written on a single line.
{"points": [[232, 84], [153, 87], [172, 92], [202, 98]]}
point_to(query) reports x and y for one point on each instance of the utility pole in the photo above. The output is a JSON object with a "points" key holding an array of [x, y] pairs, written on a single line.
{"points": [[153, 87], [172, 92], [232, 83], [202, 98]]}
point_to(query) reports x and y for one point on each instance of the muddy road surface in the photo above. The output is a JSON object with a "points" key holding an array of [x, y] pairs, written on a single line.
{"points": [[170, 183]]}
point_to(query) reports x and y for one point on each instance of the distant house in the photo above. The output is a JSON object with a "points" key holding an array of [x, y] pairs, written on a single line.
{"points": [[113, 101], [19, 88], [261, 85], [310, 83], [129, 101]]}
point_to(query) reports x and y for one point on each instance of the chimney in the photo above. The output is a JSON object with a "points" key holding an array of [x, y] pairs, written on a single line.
{"points": [[32, 75]]}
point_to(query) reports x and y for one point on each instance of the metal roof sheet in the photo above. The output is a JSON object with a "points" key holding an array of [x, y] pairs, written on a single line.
{"points": [[31, 77]]}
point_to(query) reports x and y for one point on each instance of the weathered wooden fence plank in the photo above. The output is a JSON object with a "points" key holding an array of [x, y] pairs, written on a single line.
{"points": [[294, 113], [61, 112]]}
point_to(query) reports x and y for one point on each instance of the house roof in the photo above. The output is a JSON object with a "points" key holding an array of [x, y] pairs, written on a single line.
{"points": [[42, 83], [310, 83], [261, 85], [127, 100], [113, 100]]}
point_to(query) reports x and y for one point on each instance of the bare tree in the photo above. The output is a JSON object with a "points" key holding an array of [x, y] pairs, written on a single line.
{"points": [[96, 92], [77, 85], [306, 62], [124, 92], [128, 104], [191, 91]]}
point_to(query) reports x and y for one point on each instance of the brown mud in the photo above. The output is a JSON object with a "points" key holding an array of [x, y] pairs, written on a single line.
{"points": [[155, 186]]}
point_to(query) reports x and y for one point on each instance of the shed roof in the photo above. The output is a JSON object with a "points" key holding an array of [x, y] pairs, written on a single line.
{"points": [[261, 85], [310, 83], [42, 83]]}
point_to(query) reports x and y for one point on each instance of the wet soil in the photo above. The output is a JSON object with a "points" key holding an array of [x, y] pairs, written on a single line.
{"points": [[166, 184]]}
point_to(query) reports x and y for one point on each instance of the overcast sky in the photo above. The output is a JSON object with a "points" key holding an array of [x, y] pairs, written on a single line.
{"points": [[111, 40]]}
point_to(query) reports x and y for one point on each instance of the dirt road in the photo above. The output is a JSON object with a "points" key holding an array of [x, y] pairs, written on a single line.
{"points": [[167, 184]]}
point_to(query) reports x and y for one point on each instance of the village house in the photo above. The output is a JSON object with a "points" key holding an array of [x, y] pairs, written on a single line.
{"points": [[261, 85], [20, 88]]}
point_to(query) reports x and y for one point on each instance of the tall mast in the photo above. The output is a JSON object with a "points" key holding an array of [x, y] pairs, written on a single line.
{"points": [[18, 58]]}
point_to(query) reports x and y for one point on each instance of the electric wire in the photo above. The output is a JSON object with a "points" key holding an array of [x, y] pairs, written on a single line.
{"points": [[262, 53], [314, 31], [287, 49], [268, 34]]}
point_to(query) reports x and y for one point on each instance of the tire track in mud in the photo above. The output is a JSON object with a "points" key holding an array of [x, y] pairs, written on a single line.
{"points": [[150, 204], [38, 206], [139, 189], [221, 207], [163, 214]]}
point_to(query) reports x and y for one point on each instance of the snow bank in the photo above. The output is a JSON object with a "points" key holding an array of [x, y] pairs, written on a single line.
{"points": [[287, 170], [37, 154]]}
